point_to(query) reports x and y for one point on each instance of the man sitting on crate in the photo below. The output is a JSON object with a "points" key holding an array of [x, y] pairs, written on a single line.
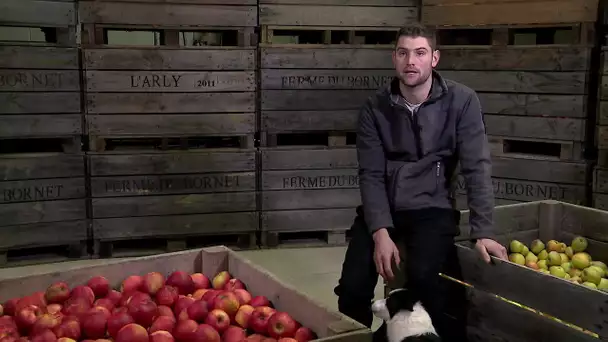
{"points": [[411, 136]]}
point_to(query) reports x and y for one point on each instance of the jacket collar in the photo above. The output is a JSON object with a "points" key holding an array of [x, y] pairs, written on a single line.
{"points": [[438, 89]]}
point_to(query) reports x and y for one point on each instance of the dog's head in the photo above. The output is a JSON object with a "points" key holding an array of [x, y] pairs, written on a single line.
{"points": [[404, 315]]}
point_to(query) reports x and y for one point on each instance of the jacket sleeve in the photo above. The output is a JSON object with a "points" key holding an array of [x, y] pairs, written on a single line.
{"points": [[370, 155], [476, 168]]}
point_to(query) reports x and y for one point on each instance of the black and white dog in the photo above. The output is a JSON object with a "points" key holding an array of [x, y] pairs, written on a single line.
{"points": [[405, 319]]}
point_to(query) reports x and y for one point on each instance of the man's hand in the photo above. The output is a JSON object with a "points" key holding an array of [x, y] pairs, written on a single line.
{"points": [[485, 247], [385, 251]]}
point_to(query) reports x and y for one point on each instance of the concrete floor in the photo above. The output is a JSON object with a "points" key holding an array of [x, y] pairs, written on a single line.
{"points": [[314, 271]]}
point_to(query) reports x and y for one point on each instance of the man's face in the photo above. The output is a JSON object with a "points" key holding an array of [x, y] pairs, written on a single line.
{"points": [[414, 60]]}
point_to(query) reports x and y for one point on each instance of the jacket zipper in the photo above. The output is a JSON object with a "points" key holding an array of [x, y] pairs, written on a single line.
{"points": [[416, 129]]}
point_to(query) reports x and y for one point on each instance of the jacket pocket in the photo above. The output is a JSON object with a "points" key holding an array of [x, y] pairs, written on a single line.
{"points": [[413, 184]]}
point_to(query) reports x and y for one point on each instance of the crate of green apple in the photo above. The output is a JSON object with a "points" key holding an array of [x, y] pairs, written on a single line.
{"points": [[168, 305], [569, 262]]}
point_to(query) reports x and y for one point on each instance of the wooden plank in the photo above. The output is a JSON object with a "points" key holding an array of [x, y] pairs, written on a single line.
{"points": [[515, 58], [168, 81], [512, 13], [39, 103], [43, 234], [292, 121], [390, 3], [58, 125], [602, 137], [165, 163], [569, 106], [360, 16], [166, 125], [536, 127], [508, 219], [495, 320], [585, 221], [310, 179], [36, 190], [524, 190], [152, 185], [44, 211], [314, 158], [539, 170], [48, 165], [197, 2], [17, 80], [37, 57], [310, 199], [600, 180], [543, 292], [145, 103], [166, 15], [325, 58], [173, 204], [567, 83], [325, 79], [38, 13], [124, 228], [314, 99], [163, 58], [339, 219]]}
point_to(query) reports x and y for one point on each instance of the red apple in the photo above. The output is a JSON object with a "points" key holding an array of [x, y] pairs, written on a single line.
{"points": [[218, 319], [10, 306], [228, 302], [144, 312], [258, 322], [198, 294], [304, 334], [57, 293], [198, 311], [255, 338], [134, 296], [119, 309], [100, 286], [44, 336], [94, 325], [200, 281], [167, 295], [287, 339], [82, 291], [132, 333], [105, 303], [65, 339], [181, 304], [183, 316], [234, 334], [8, 332], [47, 321], [182, 281], [114, 296], [117, 321], [242, 316], [100, 309], [243, 295], [161, 336], [54, 308], [206, 333], [27, 316], [220, 280], [165, 311], [131, 283], [184, 330], [234, 284], [76, 307], [281, 324], [7, 321], [259, 301], [69, 328], [153, 282], [165, 323]]}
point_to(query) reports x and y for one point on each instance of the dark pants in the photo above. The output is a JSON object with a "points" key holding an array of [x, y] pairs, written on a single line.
{"points": [[428, 237]]}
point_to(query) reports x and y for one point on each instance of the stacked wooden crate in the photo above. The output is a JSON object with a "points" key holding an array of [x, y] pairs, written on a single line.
{"points": [[42, 169], [529, 63], [320, 60], [600, 173], [170, 91]]}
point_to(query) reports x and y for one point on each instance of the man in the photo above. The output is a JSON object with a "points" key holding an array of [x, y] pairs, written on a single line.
{"points": [[411, 136]]}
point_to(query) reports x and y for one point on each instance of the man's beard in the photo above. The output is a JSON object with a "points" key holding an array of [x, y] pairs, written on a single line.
{"points": [[421, 80]]}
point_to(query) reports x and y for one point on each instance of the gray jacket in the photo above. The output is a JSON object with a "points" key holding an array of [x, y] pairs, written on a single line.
{"points": [[407, 161]]}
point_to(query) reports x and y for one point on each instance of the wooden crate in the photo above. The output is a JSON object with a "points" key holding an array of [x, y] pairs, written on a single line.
{"points": [[150, 202], [191, 78], [497, 291], [329, 325], [518, 180], [307, 195], [39, 77], [43, 214]]}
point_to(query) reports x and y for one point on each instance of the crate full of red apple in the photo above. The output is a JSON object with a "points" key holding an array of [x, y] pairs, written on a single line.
{"points": [[179, 307]]}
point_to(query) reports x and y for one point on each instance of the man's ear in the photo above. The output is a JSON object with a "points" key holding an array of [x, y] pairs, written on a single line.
{"points": [[436, 55]]}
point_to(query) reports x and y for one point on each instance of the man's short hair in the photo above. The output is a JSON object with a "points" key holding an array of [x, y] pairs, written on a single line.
{"points": [[417, 29]]}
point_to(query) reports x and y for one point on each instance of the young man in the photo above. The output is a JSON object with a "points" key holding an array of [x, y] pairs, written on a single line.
{"points": [[411, 136]]}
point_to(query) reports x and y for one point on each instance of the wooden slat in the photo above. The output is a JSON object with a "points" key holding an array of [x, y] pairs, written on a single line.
{"points": [[310, 179], [48, 165], [44, 211], [35, 57], [360, 16], [39, 103], [339, 219], [57, 125], [197, 2], [314, 99], [293, 121], [43, 234], [38, 13], [539, 170], [511, 13], [36, 190], [325, 79], [308, 159], [589, 222], [310, 199], [147, 103], [508, 219], [537, 127], [325, 58], [169, 59], [543, 292], [391, 3], [19, 80], [568, 106], [166, 15]]}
